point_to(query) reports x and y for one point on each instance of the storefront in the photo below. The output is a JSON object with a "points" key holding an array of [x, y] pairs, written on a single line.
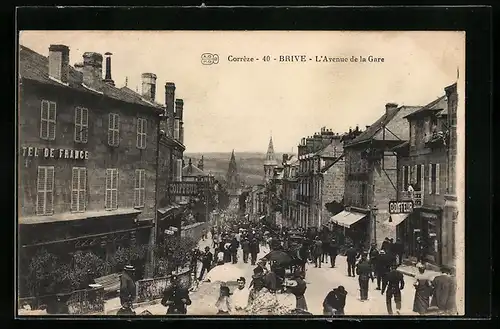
{"points": [[352, 226]]}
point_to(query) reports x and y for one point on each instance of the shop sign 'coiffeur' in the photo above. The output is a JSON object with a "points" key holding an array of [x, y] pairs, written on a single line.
{"points": [[52, 153], [400, 207]]}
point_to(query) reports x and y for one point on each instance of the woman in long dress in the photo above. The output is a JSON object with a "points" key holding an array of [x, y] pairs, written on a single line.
{"points": [[299, 291], [423, 291]]}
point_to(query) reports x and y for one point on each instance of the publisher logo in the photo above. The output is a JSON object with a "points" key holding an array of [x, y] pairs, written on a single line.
{"points": [[209, 59]]}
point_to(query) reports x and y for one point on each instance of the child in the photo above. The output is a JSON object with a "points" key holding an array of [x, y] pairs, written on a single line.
{"points": [[224, 302]]}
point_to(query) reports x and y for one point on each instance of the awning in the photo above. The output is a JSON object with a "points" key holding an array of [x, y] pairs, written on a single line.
{"points": [[347, 218], [396, 219], [165, 210]]}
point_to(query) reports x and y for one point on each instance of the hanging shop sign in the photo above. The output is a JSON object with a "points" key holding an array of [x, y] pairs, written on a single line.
{"points": [[54, 153], [183, 188], [400, 207]]}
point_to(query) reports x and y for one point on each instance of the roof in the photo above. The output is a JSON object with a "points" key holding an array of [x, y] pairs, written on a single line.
{"points": [[439, 105], [34, 66], [330, 151], [394, 123], [192, 170]]}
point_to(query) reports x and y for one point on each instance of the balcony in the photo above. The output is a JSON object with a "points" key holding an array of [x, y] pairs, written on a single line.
{"points": [[415, 196]]}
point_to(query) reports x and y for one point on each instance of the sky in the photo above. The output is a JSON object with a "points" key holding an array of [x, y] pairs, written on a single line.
{"points": [[239, 105]]}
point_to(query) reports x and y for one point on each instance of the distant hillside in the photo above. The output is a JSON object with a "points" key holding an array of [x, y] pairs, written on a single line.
{"points": [[249, 164]]}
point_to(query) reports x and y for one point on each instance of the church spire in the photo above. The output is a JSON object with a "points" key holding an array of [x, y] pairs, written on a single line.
{"points": [[270, 150], [270, 162], [232, 177]]}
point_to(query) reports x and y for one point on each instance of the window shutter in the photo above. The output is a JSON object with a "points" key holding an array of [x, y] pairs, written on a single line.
{"points": [[116, 131], [107, 195], [402, 178], [143, 187], [144, 132], [75, 181], [138, 142], [437, 178], [40, 196], [110, 129], [44, 119], [49, 201], [422, 180], [82, 193], [430, 178], [52, 120], [114, 203], [85, 125], [78, 124]]}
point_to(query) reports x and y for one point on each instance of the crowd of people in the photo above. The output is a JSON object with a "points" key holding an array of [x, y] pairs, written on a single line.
{"points": [[380, 266]]}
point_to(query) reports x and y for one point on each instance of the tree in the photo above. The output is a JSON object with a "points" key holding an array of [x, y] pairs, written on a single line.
{"points": [[172, 253], [40, 277]]}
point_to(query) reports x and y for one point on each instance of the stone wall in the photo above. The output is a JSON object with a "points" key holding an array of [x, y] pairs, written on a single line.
{"points": [[151, 289]]}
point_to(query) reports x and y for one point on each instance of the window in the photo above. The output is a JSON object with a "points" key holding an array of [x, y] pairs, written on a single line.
{"points": [[139, 189], [433, 178], [176, 129], [45, 191], [114, 130], [78, 189], [111, 196], [81, 124], [421, 181], [418, 178], [406, 177], [412, 134], [141, 133], [48, 120]]}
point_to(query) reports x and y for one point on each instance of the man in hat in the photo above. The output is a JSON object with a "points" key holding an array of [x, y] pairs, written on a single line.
{"points": [[445, 290], [127, 287], [245, 247], [385, 245], [240, 295], [382, 267], [334, 302], [364, 270], [317, 251], [206, 262], [394, 283], [373, 254], [175, 297], [254, 250], [351, 256], [334, 249]]}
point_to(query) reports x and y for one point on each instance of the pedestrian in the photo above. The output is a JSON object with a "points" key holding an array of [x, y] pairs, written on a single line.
{"points": [[234, 250], [351, 255], [325, 246], [317, 251], [254, 250], [392, 286], [382, 267], [127, 287], [385, 245], [334, 302], [175, 297], [240, 295], [398, 249], [223, 303], [206, 262], [299, 290], [423, 290], [364, 270], [421, 249], [227, 252], [334, 250], [444, 292], [373, 254], [245, 247], [256, 285]]}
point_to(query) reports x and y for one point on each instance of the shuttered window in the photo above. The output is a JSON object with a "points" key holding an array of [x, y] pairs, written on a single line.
{"points": [[48, 120], [141, 133], [114, 129], [111, 196], [433, 179], [139, 187], [81, 124], [422, 181], [437, 177], [79, 189], [430, 178], [45, 191]]}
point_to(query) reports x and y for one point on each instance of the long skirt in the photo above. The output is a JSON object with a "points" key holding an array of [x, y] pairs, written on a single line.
{"points": [[421, 300], [301, 303]]}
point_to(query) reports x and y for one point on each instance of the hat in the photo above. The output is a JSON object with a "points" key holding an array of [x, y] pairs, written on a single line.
{"points": [[382, 251], [241, 279], [341, 289], [129, 268], [207, 248], [290, 283]]}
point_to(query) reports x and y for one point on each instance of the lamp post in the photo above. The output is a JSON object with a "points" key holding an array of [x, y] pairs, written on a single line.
{"points": [[374, 212]]}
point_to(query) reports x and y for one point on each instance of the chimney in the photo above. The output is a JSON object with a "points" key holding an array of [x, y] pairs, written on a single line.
{"points": [[149, 86], [107, 78], [390, 106], [350, 130], [59, 62], [179, 108], [92, 70], [79, 67], [357, 128], [169, 104]]}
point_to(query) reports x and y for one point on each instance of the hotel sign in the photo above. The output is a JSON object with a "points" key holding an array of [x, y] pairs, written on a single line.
{"points": [[54, 153], [400, 207]]}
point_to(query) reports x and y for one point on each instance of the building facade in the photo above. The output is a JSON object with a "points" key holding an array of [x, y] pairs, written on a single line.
{"points": [[422, 179], [290, 206], [371, 177], [87, 158]]}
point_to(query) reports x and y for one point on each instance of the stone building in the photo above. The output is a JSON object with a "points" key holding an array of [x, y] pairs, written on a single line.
{"points": [[371, 176], [290, 206], [87, 158], [422, 165]]}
